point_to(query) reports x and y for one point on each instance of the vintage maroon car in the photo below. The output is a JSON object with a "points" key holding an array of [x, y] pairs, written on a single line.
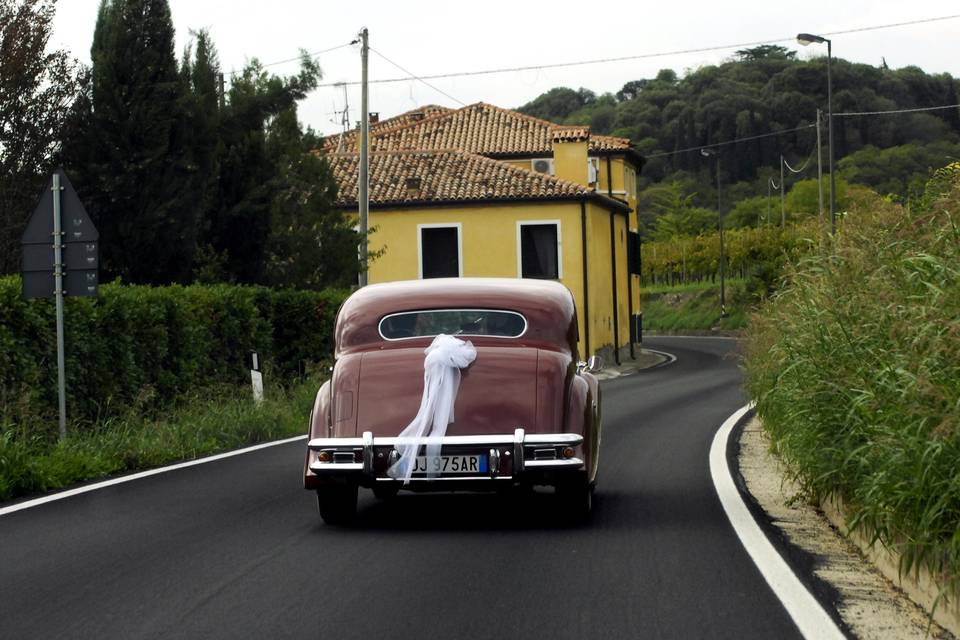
{"points": [[527, 411]]}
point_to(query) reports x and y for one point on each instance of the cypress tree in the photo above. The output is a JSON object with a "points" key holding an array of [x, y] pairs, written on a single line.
{"points": [[129, 152]]}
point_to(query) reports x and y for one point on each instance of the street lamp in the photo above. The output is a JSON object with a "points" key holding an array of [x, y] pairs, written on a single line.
{"points": [[706, 153], [806, 39]]}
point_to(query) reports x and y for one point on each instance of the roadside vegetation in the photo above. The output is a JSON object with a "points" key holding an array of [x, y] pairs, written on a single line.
{"points": [[855, 369], [154, 375], [203, 423], [694, 307]]}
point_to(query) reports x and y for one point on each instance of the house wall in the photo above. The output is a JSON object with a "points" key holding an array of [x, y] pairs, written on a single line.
{"points": [[600, 281], [623, 174], [489, 249]]}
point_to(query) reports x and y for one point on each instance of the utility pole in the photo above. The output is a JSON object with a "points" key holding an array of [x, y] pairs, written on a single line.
{"points": [[223, 87], [363, 196], [769, 185], [819, 171], [783, 208], [723, 298]]}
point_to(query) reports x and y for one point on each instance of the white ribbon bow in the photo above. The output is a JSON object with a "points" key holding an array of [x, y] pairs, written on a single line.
{"points": [[445, 357]]}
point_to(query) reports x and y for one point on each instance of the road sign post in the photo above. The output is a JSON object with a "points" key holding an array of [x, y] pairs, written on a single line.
{"points": [[60, 261], [58, 294]]}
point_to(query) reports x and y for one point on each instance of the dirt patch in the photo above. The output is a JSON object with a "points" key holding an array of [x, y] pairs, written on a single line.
{"points": [[870, 605]]}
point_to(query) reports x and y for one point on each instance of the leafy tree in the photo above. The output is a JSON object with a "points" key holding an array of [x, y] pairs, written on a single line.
{"points": [[36, 88], [753, 212], [128, 146], [239, 225], [758, 91], [312, 244]]}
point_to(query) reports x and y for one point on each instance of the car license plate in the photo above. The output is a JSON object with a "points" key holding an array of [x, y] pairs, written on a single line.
{"points": [[451, 464]]}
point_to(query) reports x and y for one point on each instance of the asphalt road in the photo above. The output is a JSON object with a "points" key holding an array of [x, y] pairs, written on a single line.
{"points": [[235, 548]]}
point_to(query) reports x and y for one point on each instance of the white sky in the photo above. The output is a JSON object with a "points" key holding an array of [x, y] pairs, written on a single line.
{"points": [[462, 35]]}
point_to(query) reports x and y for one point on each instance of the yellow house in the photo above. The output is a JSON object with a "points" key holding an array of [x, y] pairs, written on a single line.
{"points": [[487, 192]]}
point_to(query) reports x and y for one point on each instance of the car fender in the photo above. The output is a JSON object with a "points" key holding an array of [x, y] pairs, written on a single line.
{"points": [[319, 425]]}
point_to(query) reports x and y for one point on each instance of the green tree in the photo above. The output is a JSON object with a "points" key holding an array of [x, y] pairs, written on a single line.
{"points": [[312, 244], [36, 88], [128, 146], [238, 227]]}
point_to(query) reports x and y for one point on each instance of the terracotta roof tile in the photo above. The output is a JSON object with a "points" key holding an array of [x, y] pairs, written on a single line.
{"points": [[331, 143], [570, 134], [445, 176], [479, 128]]}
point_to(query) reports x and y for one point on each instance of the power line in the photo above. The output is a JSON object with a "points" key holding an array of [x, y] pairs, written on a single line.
{"points": [[642, 56], [894, 111], [800, 170], [729, 142], [415, 77], [298, 58]]}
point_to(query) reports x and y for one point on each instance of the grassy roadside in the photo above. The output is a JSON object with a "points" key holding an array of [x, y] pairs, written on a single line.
{"points": [[202, 424], [855, 370], [694, 307]]}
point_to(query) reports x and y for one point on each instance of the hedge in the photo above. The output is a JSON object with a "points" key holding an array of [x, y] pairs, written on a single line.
{"points": [[141, 346]]}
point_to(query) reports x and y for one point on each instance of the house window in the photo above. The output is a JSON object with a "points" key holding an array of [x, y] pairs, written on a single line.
{"points": [[538, 249], [440, 251]]}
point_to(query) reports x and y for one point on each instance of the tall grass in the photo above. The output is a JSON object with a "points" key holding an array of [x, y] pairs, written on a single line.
{"points": [[204, 423], [855, 369]]}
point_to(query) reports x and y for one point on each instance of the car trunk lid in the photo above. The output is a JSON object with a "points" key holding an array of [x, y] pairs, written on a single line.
{"points": [[497, 391]]}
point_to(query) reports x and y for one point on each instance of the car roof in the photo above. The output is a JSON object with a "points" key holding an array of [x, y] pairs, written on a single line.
{"points": [[548, 307]]}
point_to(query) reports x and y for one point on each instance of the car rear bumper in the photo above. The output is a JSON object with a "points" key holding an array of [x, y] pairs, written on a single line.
{"points": [[541, 458]]}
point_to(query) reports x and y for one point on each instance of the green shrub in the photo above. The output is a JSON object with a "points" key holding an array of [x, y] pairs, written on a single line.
{"points": [[142, 347], [855, 369]]}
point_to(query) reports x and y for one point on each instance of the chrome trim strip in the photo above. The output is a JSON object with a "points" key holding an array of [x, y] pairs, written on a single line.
{"points": [[448, 478], [336, 467], [558, 439], [570, 463], [368, 452], [518, 437]]}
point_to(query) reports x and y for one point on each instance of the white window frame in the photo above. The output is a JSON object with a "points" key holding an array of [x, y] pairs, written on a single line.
{"points": [[439, 225], [524, 223]]}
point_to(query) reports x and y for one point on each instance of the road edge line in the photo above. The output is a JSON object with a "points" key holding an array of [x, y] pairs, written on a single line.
{"points": [[68, 493], [801, 605]]}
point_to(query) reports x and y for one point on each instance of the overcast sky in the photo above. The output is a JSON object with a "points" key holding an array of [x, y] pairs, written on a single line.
{"points": [[456, 35]]}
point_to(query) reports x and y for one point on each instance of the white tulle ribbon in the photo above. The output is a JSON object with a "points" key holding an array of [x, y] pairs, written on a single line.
{"points": [[445, 357]]}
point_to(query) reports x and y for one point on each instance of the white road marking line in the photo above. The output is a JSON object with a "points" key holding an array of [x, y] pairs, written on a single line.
{"points": [[670, 358], [671, 337], [806, 612], [20, 506]]}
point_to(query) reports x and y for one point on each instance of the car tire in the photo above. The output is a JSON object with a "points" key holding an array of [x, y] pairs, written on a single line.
{"points": [[386, 491], [337, 503], [577, 499]]}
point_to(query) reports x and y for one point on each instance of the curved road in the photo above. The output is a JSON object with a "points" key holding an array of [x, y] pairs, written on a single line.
{"points": [[235, 549]]}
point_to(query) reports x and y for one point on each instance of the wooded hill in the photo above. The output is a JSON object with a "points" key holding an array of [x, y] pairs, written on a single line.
{"points": [[766, 89]]}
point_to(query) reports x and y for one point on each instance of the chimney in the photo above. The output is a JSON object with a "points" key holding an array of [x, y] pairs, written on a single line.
{"points": [[374, 117], [570, 147], [413, 188]]}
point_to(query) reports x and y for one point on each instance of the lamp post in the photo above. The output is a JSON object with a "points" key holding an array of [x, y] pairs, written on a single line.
{"points": [[706, 153], [805, 39]]}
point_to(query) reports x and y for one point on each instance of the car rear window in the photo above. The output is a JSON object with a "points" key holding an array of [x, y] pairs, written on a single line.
{"points": [[455, 322]]}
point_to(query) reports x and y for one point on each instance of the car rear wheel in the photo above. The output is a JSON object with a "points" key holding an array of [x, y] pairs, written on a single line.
{"points": [[577, 499], [337, 503]]}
